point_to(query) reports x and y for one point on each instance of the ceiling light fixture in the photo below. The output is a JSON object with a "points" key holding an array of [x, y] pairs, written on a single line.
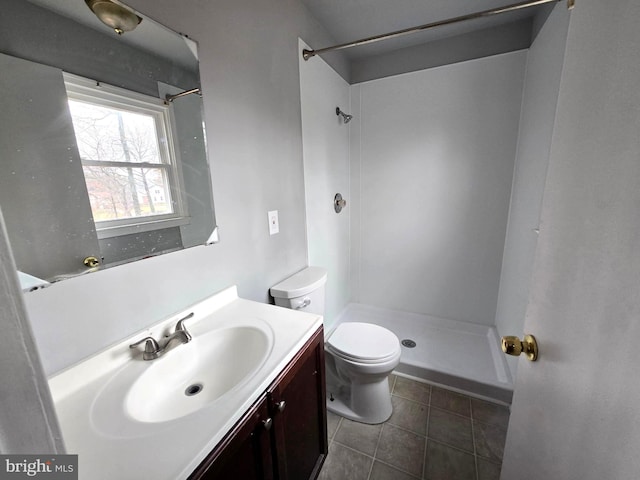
{"points": [[114, 15]]}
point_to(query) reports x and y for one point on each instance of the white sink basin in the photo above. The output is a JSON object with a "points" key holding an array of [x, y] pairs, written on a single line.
{"points": [[106, 412], [187, 378]]}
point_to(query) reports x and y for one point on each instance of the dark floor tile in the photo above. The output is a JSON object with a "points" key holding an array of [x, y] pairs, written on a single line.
{"points": [[448, 400], [447, 463], [359, 436], [456, 426], [451, 429], [488, 470], [490, 440], [412, 390], [382, 471], [409, 415], [343, 463], [401, 449], [333, 421], [490, 413]]}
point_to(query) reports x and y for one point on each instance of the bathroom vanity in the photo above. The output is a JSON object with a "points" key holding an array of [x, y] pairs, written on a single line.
{"points": [[245, 398], [283, 435]]}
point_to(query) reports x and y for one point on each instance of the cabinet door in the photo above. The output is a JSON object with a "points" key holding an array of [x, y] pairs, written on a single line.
{"points": [[297, 405], [245, 453]]}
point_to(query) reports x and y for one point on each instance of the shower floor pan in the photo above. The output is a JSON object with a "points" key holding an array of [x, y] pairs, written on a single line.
{"points": [[459, 355]]}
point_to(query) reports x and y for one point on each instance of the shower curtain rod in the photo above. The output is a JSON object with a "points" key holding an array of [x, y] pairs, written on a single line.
{"points": [[171, 98], [307, 54]]}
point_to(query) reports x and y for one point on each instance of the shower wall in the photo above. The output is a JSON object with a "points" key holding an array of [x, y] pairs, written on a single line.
{"points": [[325, 148], [432, 157]]}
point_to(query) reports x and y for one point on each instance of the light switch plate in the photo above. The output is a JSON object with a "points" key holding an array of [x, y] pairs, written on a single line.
{"points": [[274, 224]]}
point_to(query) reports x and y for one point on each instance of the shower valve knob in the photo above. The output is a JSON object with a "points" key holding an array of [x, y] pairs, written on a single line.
{"points": [[339, 203], [514, 346]]}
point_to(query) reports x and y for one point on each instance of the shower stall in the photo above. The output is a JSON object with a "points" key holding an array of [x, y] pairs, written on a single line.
{"points": [[443, 171]]}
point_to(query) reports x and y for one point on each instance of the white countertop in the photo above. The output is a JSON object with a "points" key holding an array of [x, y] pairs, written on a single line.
{"points": [[115, 446]]}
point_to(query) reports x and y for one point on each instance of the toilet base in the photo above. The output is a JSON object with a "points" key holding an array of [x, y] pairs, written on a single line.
{"points": [[365, 403]]}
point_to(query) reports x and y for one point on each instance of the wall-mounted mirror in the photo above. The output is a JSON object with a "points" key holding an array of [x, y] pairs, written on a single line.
{"points": [[100, 155]]}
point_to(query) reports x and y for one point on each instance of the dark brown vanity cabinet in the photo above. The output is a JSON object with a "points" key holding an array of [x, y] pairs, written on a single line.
{"points": [[245, 453], [297, 404], [283, 436]]}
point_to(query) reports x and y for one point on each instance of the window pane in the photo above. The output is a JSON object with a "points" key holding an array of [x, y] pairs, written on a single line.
{"points": [[109, 134], [127, 192]]}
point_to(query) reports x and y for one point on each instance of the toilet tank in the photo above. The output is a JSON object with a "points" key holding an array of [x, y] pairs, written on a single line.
{"points": [[303, 291]]}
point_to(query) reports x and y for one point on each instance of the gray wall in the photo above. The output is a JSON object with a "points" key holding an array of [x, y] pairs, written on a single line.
{"points": [[432, 179], [191, 149], [482, 43], [542, 81], [249, 68], [124, 248]]}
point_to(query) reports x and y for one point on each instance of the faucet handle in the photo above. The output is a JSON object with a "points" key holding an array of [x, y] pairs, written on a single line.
{"points": [[150, 346], [180, 326]]}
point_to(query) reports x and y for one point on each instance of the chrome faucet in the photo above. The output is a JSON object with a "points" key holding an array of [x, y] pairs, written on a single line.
{"points": [[152, 348]]}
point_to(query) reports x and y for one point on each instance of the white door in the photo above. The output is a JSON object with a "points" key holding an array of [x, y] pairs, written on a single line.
{"points": [[42, 188], [576, 411]]}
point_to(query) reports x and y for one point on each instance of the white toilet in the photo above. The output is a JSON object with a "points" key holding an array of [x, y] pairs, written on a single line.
{"points": [[359, 356]]}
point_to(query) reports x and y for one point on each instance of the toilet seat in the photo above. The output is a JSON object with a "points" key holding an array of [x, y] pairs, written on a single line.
{"points": [[347, 342]]}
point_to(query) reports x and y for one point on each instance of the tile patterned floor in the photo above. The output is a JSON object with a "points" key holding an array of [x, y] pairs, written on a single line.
{"points": [[433, 434]]}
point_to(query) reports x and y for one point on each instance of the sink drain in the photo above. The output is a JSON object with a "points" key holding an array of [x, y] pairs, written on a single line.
{"points": [[408, 343], [194, 389]]}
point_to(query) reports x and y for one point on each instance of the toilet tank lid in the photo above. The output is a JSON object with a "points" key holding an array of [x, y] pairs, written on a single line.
{"points": [[302, 283]]}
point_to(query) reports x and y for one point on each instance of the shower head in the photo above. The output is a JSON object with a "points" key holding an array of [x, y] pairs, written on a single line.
{"points": [[345, 116]]}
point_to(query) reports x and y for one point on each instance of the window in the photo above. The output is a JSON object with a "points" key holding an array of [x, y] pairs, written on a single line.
{"points": [[129, 164]]}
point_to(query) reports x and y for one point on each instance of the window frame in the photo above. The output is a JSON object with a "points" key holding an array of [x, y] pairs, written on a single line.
{"points": [[98, 93]]}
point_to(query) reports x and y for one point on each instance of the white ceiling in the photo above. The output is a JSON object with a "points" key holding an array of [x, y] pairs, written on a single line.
{"points": [[349, 20]]}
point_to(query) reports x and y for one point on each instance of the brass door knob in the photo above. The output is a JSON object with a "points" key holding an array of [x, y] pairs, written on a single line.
{"points": [[91, 262], [514, 346]]}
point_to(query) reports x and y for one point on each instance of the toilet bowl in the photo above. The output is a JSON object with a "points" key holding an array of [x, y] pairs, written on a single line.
{"points": [[358, 356]]}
